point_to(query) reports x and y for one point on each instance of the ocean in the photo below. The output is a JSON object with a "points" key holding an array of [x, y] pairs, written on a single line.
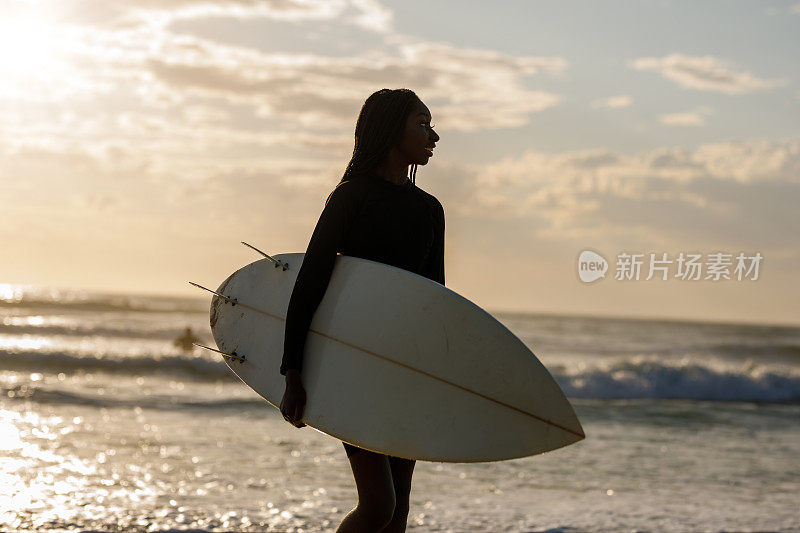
{"points": [[106, 425]]}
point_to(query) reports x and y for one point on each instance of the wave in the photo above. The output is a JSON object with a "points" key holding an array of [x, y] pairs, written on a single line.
{"points": [[644, 378], [37, 298], [48, 395], [787, 350], [197, 368], [641, 378], [145, 331]]}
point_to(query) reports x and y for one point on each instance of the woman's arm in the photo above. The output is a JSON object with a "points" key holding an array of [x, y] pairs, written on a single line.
{"points": [[434, 264], [340, 210]]}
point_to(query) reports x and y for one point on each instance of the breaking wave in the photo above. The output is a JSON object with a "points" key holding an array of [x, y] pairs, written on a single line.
{"points": [[689, 380]]}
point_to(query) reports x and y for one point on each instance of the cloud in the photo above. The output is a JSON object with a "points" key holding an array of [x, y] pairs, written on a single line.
{"points": [[203, 120], [145, 89], [689, 118], [725, 193], [147, 64], [132, 13], [373, 16], [474, 89], [795, 8], [705, 73], [613, 102]]}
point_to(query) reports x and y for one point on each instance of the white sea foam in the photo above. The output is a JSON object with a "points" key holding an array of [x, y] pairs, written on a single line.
{"points": [[646, 377]]}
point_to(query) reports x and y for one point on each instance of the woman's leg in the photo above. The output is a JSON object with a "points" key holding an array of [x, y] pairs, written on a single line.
{"points": [[402, 470], [376, 493]]}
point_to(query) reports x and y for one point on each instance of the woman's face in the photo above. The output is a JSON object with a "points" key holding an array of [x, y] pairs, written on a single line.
{"points": [[418, 139]]}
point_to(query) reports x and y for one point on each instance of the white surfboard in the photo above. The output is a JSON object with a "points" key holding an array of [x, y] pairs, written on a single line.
{"points": [[395, 363]]}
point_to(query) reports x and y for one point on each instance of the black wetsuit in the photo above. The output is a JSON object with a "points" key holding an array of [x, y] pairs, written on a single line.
{"points": [[371, 218]]}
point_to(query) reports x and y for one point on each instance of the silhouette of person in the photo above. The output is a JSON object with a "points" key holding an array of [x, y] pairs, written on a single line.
{"points": [[184, 342], [376, 212]]}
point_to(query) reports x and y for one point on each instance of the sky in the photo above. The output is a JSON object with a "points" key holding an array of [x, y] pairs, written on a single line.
{"points": [[142, 140]]}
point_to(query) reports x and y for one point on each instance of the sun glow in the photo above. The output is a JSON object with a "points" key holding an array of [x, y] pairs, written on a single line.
{"points": [[27, 44]]}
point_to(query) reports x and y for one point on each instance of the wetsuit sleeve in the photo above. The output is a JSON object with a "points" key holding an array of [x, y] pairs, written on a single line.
{"points": [[315, 272], [434, 265]]}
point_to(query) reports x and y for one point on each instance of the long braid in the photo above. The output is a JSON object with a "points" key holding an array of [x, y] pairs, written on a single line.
{"points": [[380, 124]]}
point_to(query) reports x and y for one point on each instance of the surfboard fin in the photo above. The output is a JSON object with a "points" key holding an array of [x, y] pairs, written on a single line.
{"points": [[234, 356], [284, 266], [232, 301]]}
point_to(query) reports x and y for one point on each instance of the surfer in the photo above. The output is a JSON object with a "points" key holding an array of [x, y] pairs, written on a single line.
{"points": [[376, 212], [184, 342]]}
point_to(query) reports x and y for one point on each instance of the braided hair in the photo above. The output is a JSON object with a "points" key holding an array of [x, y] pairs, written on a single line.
{"points": [[380, 125]]}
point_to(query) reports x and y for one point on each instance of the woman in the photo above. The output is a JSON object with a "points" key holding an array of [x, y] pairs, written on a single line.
{"points": [[375, 212]]}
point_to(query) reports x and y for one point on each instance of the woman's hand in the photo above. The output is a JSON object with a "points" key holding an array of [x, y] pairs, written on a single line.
{"points": [[294, 399]]}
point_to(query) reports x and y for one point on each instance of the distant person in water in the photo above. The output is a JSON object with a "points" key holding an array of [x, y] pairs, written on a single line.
{"points": [[184, 342]]}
